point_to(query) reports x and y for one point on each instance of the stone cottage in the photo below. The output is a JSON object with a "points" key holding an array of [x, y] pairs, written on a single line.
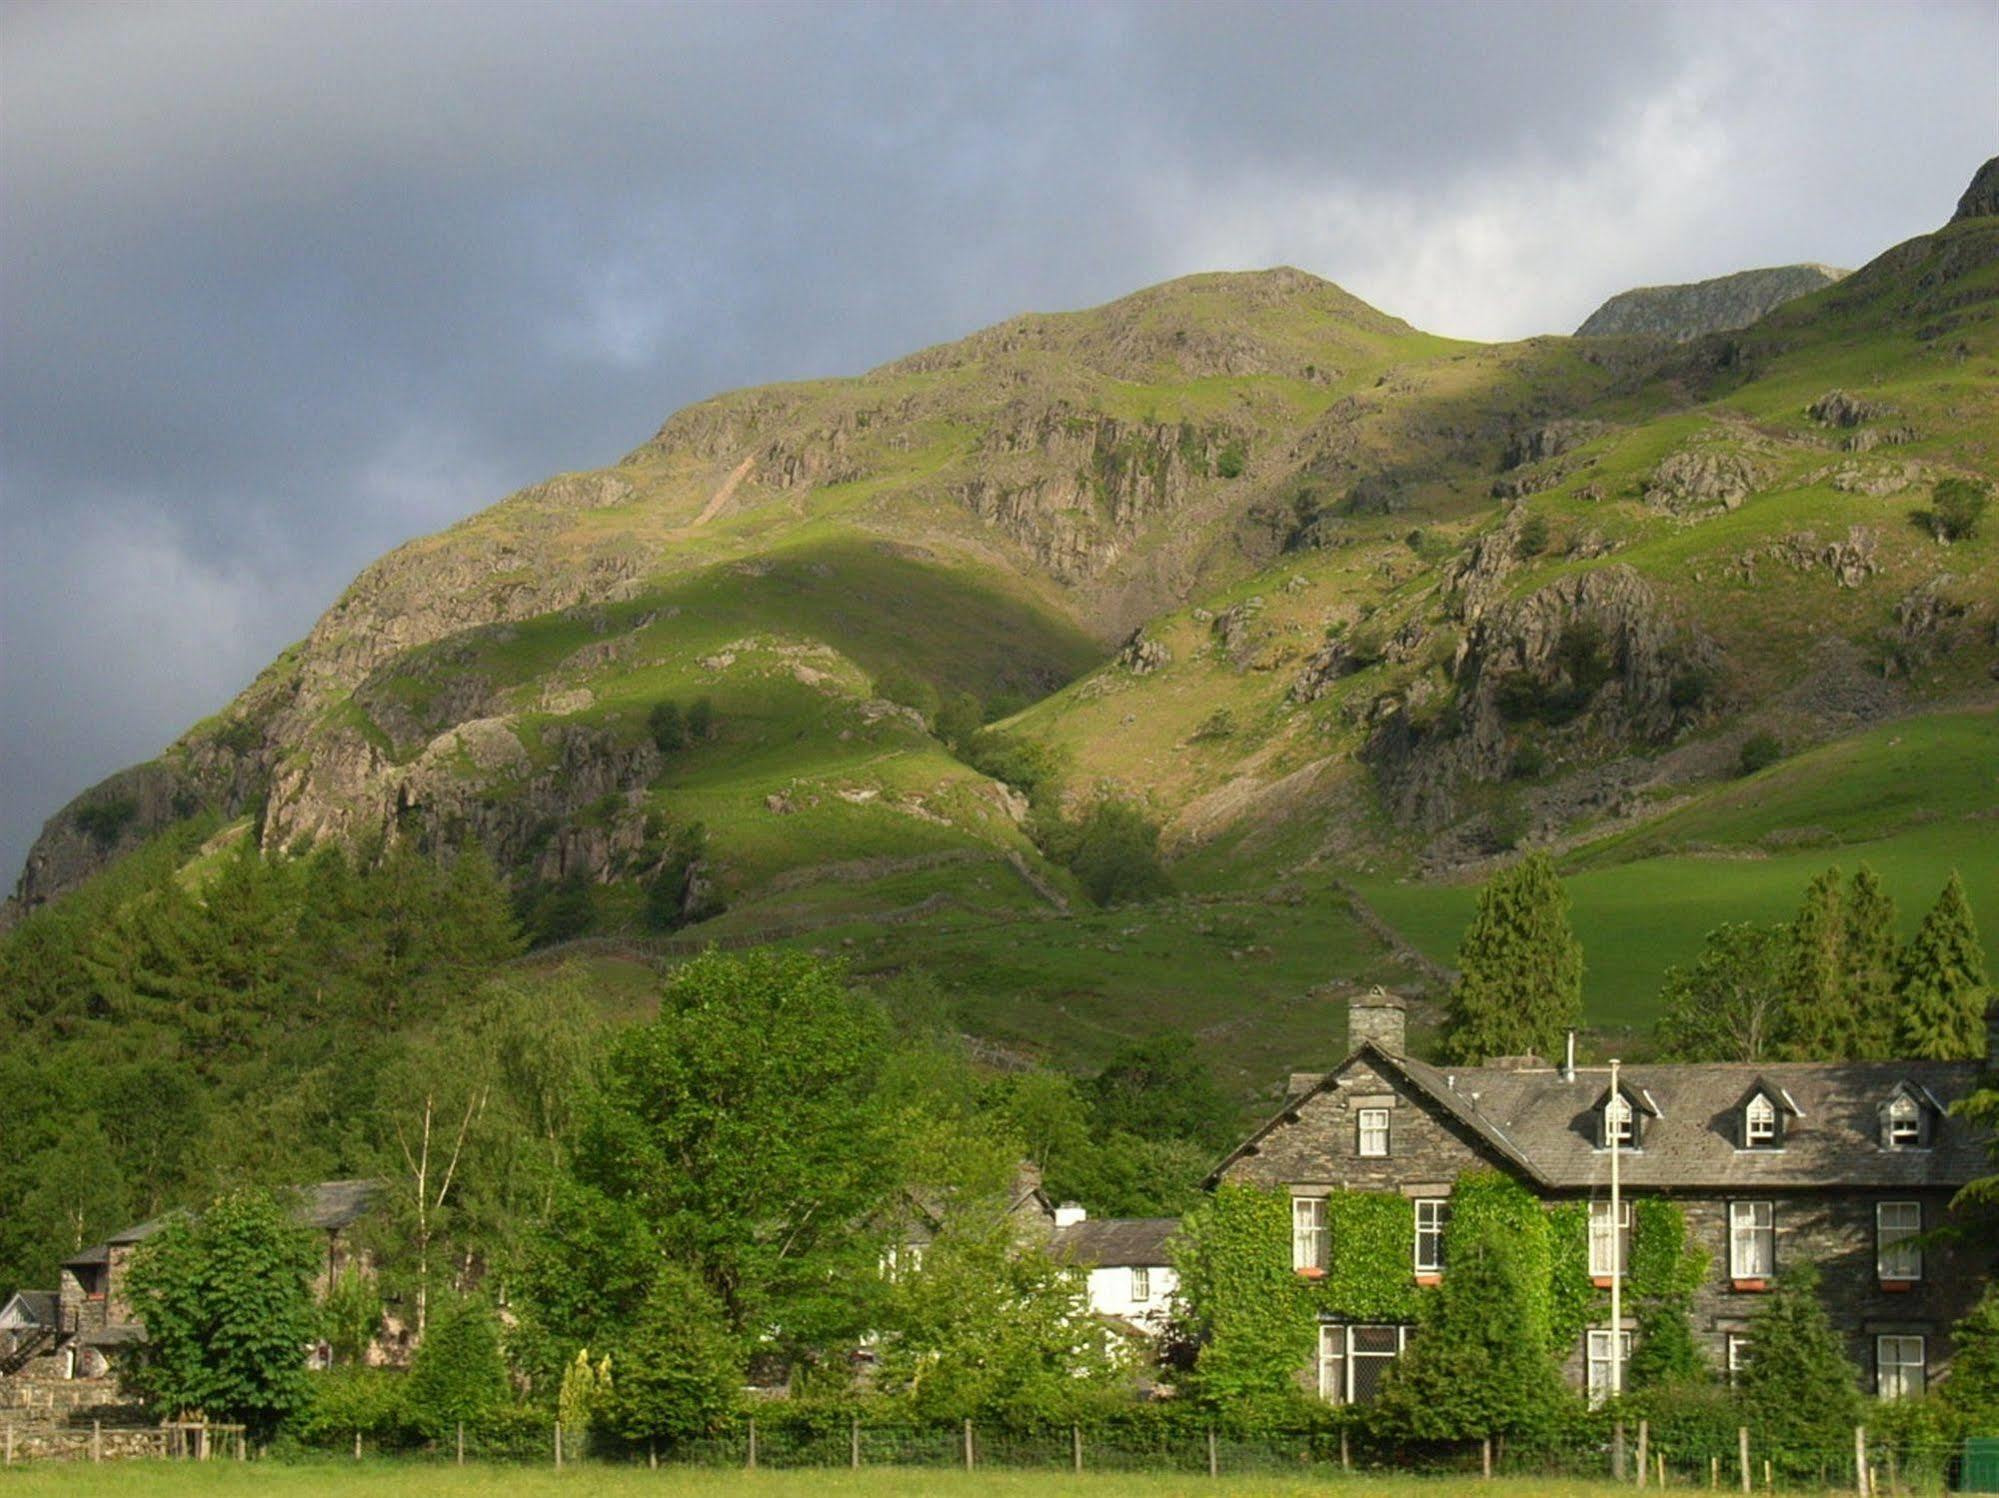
{"points": [[94, 1318], [1851, 1166]]}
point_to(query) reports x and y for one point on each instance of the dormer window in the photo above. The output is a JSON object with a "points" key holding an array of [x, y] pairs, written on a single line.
{"points": [[1617, 1129], [1908, 1119], [1764, 1114]]}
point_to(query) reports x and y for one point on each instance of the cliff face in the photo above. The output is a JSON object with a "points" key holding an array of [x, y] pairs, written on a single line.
{"points": [[1717, 306]]}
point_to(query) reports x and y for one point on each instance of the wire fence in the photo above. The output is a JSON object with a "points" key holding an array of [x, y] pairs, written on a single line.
{"points": [[1623, 1451]]}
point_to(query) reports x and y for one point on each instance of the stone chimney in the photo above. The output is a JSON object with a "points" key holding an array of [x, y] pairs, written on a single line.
{"points": [[1377, 1016], [1069, 1214]]}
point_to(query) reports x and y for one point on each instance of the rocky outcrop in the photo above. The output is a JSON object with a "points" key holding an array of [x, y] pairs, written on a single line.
{"points": [[1685, 312], [1550, 440], [1697, 482], [1142, 657], [1593, 657], [1073, 488], [1981, 199], [1928, 622], [1477, 575], [1836, 408]]}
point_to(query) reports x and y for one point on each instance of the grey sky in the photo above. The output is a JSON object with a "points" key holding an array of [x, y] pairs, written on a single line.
{"points": [[282, 285]]}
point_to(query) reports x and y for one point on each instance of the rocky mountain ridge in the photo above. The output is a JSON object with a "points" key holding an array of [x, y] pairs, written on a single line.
{"points": [[1720, 305], [1239, 539]]}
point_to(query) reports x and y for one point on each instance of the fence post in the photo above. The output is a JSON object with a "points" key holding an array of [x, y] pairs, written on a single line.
{"points": [[1346, 1458], [10, 1443], [558, 1445], [1485, 1457], [1769, 1477], [1861, 1483], [968, 1443], [1660, 1458], [1742, 1450], [652, 1455], [182, 1443], [461, 1443], [1644, 1434], [97, 1440], [1713, 1473], [1076, 1446], [1214, 1456], [1894, 1477], [1617, 1451], [753, 1444], [854, 1445]]}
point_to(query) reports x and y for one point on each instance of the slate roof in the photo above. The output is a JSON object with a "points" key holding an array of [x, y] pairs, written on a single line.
{"points": [[326, 1206], [1544, 1124], [38, 1307], [1112, 1241]]}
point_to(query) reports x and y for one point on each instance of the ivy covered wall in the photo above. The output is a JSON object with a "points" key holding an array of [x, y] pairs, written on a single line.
{"points": [[1256, 1317]]}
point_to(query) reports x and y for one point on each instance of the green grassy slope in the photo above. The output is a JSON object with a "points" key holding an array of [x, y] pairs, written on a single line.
{"points": [[1912, 800]]}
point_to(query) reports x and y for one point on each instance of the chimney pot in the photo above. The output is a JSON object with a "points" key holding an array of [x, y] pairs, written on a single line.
{"points": [[1377, 1016], [1569, 1058]]}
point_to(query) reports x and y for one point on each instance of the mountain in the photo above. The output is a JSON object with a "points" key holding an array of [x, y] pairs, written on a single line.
{"points": [[1717, 306], [1345, 608]]}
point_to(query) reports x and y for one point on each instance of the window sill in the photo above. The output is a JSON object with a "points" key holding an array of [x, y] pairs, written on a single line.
{"points": [[1750, 1286], [1899, 1287], [1429, 1277]]}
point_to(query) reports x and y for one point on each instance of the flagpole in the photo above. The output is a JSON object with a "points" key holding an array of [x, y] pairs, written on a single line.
{"points": [[1614, 1130]]}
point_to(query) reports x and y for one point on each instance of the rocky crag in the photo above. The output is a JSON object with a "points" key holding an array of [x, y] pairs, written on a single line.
{"points": [[1717, 306]]}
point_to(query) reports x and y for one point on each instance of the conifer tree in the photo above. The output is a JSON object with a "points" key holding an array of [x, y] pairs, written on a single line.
{"points": [[1799, 1389], [458, 1375], [1972, 1390], [1521, 987], [1869, 956], [1821, 1022], [1941, 986], [1479, 1365]]}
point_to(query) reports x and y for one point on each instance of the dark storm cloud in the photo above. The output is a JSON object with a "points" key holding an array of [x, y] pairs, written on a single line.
{"points": [[281, 285]]}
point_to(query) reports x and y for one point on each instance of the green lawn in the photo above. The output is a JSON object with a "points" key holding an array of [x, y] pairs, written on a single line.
{"points": [[384, 1480]]}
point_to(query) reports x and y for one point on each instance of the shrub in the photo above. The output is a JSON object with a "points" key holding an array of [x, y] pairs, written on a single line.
{"points": [[350, 1314], [678, 1369], [1113, 850], [1799, 1389], [701, 720], [1020, 763], [1957, 507], [667, 726], [1231, 462], [1533, 537], [1219, 724], [458, 1376], [907, 690], [1691, 686], [1759, 752], [346, 1402], [103, 820], [1529, 760]]}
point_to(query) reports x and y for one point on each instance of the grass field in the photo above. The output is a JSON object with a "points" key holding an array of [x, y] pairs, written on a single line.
{"points": [[382, 1480], [1635, 920]]}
